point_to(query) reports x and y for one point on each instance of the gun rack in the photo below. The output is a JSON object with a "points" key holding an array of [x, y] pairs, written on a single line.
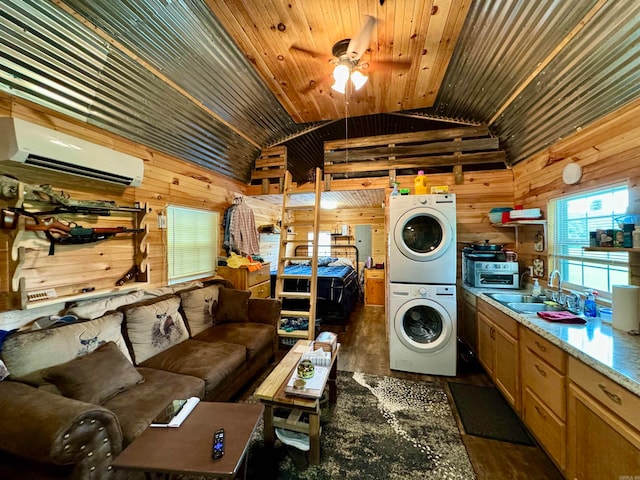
{"points": [[76, 271]]}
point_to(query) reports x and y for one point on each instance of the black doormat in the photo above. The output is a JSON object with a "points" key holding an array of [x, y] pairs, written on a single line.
{"points": [[485, 413]]}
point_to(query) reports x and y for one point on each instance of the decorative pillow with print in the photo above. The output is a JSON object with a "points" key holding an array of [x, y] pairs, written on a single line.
{"points": [[199, 307], [32, 350], [154, 326]]}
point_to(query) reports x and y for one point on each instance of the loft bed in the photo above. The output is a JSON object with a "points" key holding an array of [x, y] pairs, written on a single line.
{"points": [[338, 281]]}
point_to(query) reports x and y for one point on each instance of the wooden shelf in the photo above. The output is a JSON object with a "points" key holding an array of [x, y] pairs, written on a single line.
{"points": [[611, 249], [520, 223], [95, 294]]}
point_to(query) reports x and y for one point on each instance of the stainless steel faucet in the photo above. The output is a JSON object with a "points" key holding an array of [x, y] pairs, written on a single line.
{"points": [[550, 285]]}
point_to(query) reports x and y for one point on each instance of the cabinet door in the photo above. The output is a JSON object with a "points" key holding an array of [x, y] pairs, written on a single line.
{"points": [[485, 343], [600, 444], [505, 366], [469, 327]]}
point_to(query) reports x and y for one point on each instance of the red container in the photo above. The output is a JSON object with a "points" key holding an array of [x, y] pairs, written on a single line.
{"points": [[506, 217]]}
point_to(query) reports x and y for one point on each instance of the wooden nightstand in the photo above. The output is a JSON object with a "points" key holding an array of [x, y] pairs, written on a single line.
{"points": [[257, 282], [374, 286]]}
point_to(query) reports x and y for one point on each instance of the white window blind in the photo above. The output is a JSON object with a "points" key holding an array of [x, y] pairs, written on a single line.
{"points": [[571, 219], [192, 243]]}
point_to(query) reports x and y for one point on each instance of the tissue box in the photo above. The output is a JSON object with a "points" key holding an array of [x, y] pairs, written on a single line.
{"points": [[327, 341]]}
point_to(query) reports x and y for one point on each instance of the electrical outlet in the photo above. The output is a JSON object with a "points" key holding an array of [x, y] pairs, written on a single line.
{"points": [[162, 221]]}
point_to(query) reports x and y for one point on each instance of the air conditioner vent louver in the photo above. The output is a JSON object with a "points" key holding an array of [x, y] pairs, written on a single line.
{"points": [[38, 161], [41, 147]]}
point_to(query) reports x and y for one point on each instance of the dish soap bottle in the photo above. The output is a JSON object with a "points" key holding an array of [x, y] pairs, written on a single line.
{"points": [[590, 308], [420, 183], [536, 291]]}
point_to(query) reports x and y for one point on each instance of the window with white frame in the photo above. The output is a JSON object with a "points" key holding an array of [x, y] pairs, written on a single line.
{"points": [[192, 243], [324, 243], [571, 219]]}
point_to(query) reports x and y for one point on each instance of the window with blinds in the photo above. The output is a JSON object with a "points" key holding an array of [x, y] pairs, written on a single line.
{"points": [[192, 243], [571, 219]]}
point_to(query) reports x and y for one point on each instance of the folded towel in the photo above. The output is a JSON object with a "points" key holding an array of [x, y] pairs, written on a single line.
{"points": [[562, 317]]}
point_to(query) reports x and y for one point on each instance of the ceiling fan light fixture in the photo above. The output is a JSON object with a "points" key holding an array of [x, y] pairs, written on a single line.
{"points": [[358, 79], [341, 76]]}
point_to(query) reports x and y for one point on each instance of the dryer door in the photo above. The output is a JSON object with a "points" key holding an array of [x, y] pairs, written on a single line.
{"points": [[423, 325], [423, 234]]}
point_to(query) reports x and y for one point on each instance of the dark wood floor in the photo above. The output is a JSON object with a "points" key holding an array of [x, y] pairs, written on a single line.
{"points": [[364, 348]]}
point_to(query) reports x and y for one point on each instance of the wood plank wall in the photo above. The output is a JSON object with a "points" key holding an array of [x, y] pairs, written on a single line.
{"points": [[609, 153], [167, 180]]}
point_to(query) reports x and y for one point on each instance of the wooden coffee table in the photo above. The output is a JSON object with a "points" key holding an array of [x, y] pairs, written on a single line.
{"points": [[272, 394], [161, 452]]}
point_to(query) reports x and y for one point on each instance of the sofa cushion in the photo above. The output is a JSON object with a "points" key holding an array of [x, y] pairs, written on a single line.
{"points": [[95, 377], [212, 362], [199, 307], [253, 336], [233, 305], [153, 326], [33, 350], [138, 406]]}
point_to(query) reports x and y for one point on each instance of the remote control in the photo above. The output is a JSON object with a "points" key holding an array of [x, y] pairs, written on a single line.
{"points": [[217, 450]]}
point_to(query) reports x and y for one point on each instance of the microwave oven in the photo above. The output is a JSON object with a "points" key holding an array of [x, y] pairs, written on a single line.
{"points": [[490, 274]]}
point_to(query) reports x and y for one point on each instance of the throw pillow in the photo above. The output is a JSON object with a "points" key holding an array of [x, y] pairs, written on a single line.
{"points": [[342, 262], [97, 308], [95, 377], [233, 305], [154, 326], [325, 261], [29, 351], [199, 307]]}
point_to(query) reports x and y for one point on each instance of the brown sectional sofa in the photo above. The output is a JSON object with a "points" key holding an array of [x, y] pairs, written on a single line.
{"points": [[78, 394]]}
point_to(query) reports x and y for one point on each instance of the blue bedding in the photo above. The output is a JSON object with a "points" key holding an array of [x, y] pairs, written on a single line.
{"points": [[338, 288]]}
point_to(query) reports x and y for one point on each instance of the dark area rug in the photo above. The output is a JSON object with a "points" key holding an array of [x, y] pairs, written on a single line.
{"points": [[380, 428], [485, 413]]}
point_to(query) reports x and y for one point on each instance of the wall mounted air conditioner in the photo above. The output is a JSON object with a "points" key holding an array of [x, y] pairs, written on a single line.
{"points": [[38, 146]]}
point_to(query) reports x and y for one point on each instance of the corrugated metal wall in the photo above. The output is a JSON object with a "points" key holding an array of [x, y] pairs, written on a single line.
{"points": [[504, 41], [52, 59]]}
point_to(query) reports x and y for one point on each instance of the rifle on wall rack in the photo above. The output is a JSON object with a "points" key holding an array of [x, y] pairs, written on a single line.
{"points": [[58, 232], [10, 188]]}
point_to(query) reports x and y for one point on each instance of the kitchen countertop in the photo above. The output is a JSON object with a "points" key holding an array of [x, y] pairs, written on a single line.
{"points": [[612, 352]]}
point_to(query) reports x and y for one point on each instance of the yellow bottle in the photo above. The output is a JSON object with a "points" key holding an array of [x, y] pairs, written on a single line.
{"points": [[420, 183]]}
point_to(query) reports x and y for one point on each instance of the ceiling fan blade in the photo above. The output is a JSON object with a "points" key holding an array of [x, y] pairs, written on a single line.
{"points": [[311, 53], [360, 44], [375, 65]]}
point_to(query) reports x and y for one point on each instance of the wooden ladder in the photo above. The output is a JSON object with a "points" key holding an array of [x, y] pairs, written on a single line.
{"points": [[301, 306]]}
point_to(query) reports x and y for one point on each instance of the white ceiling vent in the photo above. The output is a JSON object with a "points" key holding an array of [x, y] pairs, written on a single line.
{"points": [[38, 146]]}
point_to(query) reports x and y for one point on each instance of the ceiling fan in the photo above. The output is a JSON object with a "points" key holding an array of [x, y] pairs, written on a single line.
{"points": [[346, 58]]}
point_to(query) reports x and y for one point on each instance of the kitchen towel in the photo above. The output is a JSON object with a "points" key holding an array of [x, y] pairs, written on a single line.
{"points": [[625, 307], [562, 317]]}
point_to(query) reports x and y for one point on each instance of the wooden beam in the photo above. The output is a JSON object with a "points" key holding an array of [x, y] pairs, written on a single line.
{"points": [[414, 137], [414, 150], [383, 166]]}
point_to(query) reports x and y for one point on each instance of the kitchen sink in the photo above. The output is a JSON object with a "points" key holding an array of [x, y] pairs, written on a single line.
{"points": [[515, 298], [533, 307]]}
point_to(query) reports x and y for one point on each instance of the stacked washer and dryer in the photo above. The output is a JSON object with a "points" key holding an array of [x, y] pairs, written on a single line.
{"points": [[422, 284]]}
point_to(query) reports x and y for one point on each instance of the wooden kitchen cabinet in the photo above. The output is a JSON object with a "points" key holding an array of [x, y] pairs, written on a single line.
{"points": [[498, 350], [603, 427], [543, 370], [374, 286], [258, 282]]}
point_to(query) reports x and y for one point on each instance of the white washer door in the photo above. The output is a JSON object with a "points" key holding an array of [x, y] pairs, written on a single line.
{"points": [[422, 234], [423, 325]]}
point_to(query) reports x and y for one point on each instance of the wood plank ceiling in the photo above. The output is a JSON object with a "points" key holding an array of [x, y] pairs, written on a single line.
{"points": [[290, 44]]}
